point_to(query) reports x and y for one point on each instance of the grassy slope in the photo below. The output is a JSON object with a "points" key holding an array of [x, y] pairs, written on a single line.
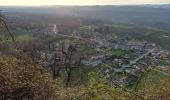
{"points": [[148, 79]]}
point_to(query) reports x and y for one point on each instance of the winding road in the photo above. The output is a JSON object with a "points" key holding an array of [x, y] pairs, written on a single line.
{"points": [[134, 61], [55, 30]]}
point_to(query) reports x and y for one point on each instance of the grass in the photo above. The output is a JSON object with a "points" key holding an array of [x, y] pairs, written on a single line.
{"points": [[24, 37], [119, 26], [116, 53], [7, 41], [79, 74], [59, 38], [119, 75], [84, 27], [20, 37], [88, 50], [148, 79]]}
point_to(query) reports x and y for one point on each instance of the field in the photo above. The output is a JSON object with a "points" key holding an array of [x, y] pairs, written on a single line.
{"points": [[7, 41], [18, 37], [24, 37], [148, 79], [116, 53], [88, 50]]}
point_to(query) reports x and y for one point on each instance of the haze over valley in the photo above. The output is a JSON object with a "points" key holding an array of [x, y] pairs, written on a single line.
{"points": [[90, 52]]}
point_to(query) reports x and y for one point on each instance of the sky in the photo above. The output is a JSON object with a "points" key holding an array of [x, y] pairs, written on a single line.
{"points": [[78, 2]]}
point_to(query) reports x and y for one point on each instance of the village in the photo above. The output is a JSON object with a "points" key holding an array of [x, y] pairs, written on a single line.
{"points": [[128, 60], [90, 50], [120, 60]]}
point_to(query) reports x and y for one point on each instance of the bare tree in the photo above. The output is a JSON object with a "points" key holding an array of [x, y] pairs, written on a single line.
{"points": [[4, 24], [32, 49], [71, 60]]}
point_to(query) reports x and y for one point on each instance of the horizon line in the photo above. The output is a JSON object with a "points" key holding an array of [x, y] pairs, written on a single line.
{"points": [[87, 5]]}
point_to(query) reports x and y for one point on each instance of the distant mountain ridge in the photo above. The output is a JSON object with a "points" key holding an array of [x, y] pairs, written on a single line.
{"points": [[158, 6], [157, 16], [146, 22]]}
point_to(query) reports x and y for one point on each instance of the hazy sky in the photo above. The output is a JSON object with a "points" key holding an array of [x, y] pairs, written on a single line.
{"points": [[78, 2]]}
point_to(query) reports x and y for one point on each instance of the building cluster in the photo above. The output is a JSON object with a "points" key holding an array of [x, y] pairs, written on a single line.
{"points": [[139, 57]]}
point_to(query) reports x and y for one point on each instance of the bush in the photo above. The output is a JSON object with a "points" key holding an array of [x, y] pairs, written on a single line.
{"points": [[20, 80]]}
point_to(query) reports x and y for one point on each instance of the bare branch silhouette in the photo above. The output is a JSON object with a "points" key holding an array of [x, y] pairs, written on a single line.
{"points": [[4, 23]]}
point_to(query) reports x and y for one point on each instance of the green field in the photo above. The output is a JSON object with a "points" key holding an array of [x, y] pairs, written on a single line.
{"points": [[88, 50], [84, 27], [24, 37], [147, 80], [7, 41], [119, 26], [19, 37], [116, 53]]}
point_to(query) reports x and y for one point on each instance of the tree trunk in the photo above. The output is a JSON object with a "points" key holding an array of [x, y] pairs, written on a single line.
{"points": [[68, 78]]}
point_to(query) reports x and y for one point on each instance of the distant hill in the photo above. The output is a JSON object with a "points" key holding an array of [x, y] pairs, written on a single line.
{"points": [[158, 6], [147, 22], [157, 16]]}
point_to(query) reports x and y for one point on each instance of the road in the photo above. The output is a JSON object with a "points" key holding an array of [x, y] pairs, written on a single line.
{"points": [[55, 30], [123, 67], [134, 61]]}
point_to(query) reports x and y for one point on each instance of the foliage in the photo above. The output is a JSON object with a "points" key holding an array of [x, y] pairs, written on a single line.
{"points": [[21, 80], [159, 91], [149, 78], [98, 89], [3, 25]]}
